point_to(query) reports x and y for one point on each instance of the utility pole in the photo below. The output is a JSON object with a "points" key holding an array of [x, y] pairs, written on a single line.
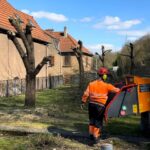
{"points": [[102, 56]]}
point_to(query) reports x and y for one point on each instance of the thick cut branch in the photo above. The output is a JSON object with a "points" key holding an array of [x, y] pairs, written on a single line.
{"points": [[80, 45], [16, 24], [125, 55], [76, 53], [40, 65], [29, 35], [31, 44], [101, 58], [19, 48]]}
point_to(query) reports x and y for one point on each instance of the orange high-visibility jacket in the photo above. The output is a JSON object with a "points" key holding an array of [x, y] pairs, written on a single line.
{"points": [[97, 91]]}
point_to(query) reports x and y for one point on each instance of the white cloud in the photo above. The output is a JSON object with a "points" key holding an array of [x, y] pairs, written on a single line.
{"points": [[48, 15], [25, 11], [111, 20], [115, 23], [86, 19], [131, 38], [97, 47], [133, 33]]}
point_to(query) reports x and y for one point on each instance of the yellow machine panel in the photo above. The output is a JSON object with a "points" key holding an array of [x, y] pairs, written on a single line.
{"points": [[143, 90]]}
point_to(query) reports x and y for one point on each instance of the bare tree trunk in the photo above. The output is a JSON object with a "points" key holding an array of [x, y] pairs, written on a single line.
{"points": [[81, 72], [78, 53], [30, 91]]}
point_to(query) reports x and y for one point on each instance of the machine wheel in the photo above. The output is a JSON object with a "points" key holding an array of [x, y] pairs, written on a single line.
{"points": [[145, 123]]}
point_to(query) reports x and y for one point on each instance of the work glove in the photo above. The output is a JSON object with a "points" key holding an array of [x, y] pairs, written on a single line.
{"points": [[82, 105]]}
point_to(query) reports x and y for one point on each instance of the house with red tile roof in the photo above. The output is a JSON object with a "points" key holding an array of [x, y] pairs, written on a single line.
{"points": [[65, 43], [11, 65], [57, 44]]}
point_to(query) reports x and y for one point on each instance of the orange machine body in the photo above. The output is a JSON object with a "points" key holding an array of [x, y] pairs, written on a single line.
{"points": [[143, 91]]}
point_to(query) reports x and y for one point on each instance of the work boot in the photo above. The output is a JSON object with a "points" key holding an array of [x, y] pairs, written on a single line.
{"points": [[96, 140], [91, 137]]}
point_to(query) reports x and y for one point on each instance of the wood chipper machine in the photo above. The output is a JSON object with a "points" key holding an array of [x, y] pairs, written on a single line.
{"points": [[133, 98]]}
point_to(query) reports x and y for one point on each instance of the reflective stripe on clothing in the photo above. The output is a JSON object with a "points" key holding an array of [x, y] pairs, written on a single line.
{"points": [[97, 103], [97, 95], [100, 98]]}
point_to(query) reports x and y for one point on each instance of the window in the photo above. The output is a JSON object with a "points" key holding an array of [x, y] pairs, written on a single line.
{"points": [[51, 62], [67, 61]]}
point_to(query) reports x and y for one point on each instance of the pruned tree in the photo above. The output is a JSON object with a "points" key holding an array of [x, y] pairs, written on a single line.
{"points": [[140, 57], [131, 56], [79, 54], [102, 56], [27, 57]]}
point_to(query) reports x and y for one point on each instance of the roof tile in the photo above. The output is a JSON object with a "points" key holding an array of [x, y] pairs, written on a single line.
{"points": [[66, 43], [6, 11]]}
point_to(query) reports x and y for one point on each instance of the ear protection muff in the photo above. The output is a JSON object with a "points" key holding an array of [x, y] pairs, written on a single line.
{"points": [[104, 77]]}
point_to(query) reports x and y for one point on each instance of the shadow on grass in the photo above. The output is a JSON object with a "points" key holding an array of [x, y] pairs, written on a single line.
{"points": [[124, 126], [127, 129], [77, 135]]}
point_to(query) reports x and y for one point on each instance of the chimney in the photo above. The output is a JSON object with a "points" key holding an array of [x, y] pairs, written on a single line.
{"points": [[65, 31]]}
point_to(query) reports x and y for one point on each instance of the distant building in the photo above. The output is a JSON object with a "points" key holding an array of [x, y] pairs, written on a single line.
{"points": [[64, 43]]}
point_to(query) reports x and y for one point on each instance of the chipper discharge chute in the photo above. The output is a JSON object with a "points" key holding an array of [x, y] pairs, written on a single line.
{"points": [[134, 98]]}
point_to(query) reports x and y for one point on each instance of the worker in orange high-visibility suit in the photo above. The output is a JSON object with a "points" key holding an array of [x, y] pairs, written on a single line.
{"points": [[97, 92]]}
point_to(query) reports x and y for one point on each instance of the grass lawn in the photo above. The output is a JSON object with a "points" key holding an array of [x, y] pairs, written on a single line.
{"points": [[57, 109]]}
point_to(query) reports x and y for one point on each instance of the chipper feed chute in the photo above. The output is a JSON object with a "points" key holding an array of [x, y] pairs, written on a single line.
{"points": [[124, 103]]}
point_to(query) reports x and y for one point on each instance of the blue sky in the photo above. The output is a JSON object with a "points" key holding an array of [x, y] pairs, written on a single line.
{"points": [[96, 22]]}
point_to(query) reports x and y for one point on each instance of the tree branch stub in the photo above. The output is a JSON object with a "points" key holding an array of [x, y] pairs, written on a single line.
{"points": [[17, 25], [40, 65]]}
